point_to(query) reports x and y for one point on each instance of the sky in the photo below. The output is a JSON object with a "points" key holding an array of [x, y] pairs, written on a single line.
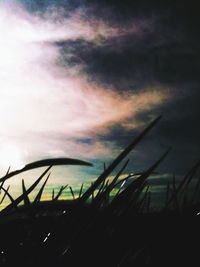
{"points": [[81, 79]]}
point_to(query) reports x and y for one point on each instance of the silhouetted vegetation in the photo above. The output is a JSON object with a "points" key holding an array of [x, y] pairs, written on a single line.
{"points": [[111, 223]]}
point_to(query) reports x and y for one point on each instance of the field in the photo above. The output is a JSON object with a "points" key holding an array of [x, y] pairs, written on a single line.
{"points": [[111, 223]]}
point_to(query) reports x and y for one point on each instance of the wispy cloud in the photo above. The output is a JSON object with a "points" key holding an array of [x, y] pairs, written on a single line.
{"points": [[40, 99]]}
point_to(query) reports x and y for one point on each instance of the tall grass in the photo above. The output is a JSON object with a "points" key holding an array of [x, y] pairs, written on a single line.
{"points": [[135, 191], [96, 214]]}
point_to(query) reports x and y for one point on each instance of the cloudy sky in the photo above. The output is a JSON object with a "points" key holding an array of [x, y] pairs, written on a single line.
{"points": [[82, 78]]}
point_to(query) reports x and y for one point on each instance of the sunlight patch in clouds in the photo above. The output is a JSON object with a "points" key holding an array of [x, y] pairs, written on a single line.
{"points": [[41, 100]]}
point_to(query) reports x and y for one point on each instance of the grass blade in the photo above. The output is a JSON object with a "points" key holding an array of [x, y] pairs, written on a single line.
{"points": [[114, 164], [45, 163], [28, 191], [60, 192], [8, 194], [109, 187], [53, 194], [39, 195], [126, 194], [72, 192], [4, 180], [5, 194], [185, 180], [81, 190], [26, 198]]}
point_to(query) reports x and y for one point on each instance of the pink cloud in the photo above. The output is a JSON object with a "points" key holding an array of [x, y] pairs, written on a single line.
{"points": [[41, 99]]}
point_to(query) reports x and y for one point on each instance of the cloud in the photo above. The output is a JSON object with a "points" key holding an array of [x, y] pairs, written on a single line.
{"points": [[41, 100]]}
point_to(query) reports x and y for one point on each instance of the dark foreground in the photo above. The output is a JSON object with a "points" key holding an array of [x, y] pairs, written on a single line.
{"points": [[70, 236], [111, 223]]}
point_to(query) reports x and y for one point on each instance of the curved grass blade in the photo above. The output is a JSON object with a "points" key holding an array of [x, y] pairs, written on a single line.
{"points": [[45, 163], [119, 158]]}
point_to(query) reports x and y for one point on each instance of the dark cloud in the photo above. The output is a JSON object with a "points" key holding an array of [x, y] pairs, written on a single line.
{"points": [[164, 52]]}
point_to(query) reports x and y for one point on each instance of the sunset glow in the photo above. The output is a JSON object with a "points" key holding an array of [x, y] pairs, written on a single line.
{"points": [[45, 106]]}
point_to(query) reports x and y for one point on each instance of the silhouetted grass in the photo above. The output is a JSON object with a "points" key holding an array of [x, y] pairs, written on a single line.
{"points": [[110, 223]]}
